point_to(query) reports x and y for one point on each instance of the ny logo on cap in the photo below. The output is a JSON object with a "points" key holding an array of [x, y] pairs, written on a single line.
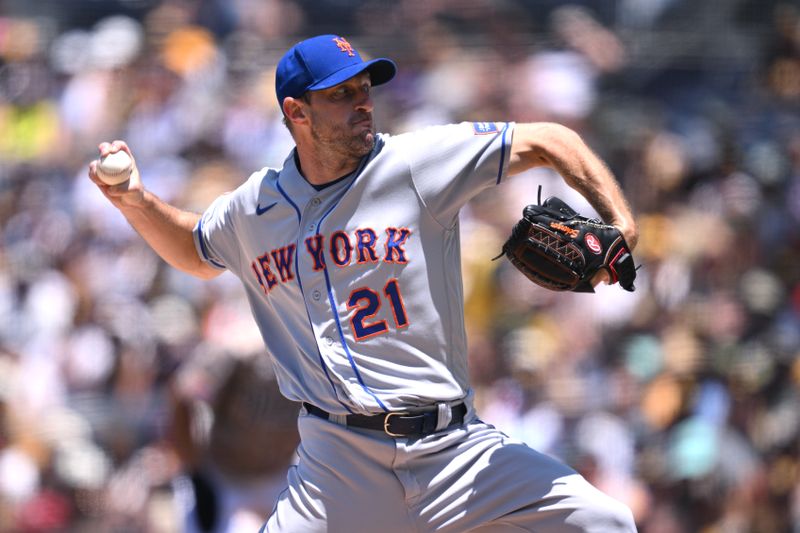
{"points": [[343, 45]]}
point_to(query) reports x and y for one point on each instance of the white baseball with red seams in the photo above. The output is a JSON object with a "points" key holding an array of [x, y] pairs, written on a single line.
{"points": [[115, 168]]}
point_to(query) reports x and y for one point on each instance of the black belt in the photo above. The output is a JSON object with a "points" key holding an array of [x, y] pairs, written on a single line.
{"points": [[398, 424]]}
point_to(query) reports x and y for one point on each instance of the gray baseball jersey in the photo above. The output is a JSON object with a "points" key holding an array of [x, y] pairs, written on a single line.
{"points": [[357, 291], [356, 287]]}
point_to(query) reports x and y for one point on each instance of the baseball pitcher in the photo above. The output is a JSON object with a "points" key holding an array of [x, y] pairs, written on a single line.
{"points": [[349, 254]]}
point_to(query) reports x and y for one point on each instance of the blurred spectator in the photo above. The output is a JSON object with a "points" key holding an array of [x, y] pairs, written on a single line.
{"points": [[236, 436]]}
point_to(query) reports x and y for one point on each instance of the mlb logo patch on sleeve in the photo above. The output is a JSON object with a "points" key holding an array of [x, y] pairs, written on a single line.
{"points": [[482, 128]]}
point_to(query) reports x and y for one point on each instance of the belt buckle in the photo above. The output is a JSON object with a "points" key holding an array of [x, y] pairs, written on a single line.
{"points": [[386, 424]]}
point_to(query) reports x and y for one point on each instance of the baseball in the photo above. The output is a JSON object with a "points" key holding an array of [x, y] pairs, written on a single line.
{"points": [[114, 168]]}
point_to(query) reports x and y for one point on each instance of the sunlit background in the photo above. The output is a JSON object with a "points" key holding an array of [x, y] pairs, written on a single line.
{"points": [[122, 403]]}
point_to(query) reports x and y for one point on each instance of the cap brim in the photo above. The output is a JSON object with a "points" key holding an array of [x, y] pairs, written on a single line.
{"points": [[380, 71]]}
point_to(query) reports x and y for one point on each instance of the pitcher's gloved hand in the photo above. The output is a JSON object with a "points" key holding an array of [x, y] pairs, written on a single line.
{"points": [[559, 249]]}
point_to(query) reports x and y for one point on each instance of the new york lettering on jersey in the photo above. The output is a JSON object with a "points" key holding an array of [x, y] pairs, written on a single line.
{"points": [[339, 248]]}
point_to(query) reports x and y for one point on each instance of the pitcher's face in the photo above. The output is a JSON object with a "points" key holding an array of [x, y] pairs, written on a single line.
{"points": [[340, 117]]}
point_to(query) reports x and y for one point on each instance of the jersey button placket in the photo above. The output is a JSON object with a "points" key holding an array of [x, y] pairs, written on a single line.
{"points": [[316, 295]]}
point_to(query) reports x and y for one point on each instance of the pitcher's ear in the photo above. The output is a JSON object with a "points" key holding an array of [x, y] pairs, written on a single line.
{"points": [[294, 109]]}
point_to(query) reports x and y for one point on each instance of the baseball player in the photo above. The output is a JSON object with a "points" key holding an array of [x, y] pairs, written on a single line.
{"points": [[349, 254]]}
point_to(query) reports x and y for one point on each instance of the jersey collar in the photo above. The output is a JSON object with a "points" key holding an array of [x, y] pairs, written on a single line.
{"points": [[296, 186]]}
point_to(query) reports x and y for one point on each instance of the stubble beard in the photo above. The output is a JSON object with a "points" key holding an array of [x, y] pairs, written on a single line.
{"points": [[339, 139]]}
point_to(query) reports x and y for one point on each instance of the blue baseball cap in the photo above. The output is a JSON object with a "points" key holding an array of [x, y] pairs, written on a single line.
{"points": [[322, 62]]}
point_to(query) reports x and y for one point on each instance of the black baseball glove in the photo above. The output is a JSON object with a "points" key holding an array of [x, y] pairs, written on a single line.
{"points": [[561, 250]]}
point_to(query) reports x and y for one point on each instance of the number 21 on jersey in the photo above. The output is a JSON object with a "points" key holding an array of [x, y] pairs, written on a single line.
{"points": [[365, 304]]}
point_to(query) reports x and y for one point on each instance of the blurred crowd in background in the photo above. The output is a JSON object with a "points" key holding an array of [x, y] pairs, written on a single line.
{"points": [[135, 398]]}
